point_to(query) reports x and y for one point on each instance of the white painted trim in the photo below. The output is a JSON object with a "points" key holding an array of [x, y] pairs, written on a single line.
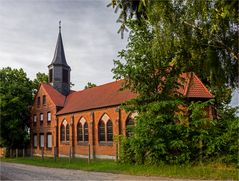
{"points": [[45, 155], [64, 122], [82, 121], [81, 156], [110, 157], [63, 156], [105, 118]]}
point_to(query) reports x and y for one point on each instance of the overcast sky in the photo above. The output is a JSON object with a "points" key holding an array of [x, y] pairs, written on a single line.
{"points": [[29, 29]]}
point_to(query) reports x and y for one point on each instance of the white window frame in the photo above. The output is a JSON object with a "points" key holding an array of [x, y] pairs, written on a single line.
{"points": [[49, 140], [42, 140], [48, 116], [41, 117], [35, 140]]}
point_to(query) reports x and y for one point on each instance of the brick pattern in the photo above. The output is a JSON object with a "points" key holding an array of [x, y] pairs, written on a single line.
{"points": [[46, 126], [92, 117], [107, 149]]}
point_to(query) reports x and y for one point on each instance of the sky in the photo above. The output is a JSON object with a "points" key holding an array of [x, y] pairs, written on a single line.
{"points": [[28, 35], [29, 29]]}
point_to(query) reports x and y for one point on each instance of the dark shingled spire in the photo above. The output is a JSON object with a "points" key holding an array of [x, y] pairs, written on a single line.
{"points": [[59, 70], [59, 56]]}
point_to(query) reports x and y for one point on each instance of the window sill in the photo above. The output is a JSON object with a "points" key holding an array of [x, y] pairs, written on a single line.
{"points": [[65, 142], [82, 143], [105, 143]]}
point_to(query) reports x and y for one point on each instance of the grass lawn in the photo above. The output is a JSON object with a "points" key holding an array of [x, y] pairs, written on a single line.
{"points": [[207, 171]]}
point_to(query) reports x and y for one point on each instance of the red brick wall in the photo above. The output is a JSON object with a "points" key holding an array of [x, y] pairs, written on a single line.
{"points": [[92, 118], [37, 128]]}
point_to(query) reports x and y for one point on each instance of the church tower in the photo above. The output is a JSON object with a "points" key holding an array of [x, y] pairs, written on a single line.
{"points": [[59, 70]]}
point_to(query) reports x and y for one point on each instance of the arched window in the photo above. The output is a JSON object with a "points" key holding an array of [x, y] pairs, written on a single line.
{"points": [[79, 132], [101, 130], [109, 131], [62, 133], [67, 132], [86, 137], [129, 127]]}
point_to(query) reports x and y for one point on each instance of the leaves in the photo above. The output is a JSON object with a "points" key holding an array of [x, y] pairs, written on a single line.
{"points": [[168, 38], [89, 85], [16, 97]]}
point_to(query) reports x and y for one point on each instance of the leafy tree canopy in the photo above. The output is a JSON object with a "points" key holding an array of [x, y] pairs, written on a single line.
{"points": [[40, 78], [203, 35], [16, 98], [168, 38]]}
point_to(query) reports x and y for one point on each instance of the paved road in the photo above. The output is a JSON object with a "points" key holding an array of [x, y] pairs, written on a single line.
{"points": [[12, 171]]}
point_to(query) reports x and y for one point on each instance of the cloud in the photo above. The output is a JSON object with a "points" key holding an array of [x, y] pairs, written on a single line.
{"points": [[29, 31]]}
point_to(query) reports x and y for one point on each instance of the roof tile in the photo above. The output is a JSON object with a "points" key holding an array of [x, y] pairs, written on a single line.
{"points": [[110, 95]]}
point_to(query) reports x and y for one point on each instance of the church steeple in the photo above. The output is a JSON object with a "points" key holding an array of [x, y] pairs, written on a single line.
{"points": [[59, 70]]}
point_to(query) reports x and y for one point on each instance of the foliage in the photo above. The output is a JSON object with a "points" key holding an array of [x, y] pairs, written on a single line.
{"points": [[169, 38], [16, 97], [129, 10], [203, 34], [89, 85], [159, 137], [40, 78], [224, 143]]}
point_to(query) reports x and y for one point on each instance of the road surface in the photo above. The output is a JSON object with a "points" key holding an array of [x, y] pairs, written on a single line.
{"points": [[12, 171]]}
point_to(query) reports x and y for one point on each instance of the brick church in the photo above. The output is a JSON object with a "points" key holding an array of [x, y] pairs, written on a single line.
{"points": [[83, 123]]}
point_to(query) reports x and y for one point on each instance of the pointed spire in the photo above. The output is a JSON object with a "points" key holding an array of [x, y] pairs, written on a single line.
{"points": [[59, 56], [60, 26]]}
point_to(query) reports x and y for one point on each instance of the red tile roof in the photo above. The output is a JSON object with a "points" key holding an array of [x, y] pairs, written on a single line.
{"points": [[97, 97], [194, 88], [110, 95], [57, 98]]}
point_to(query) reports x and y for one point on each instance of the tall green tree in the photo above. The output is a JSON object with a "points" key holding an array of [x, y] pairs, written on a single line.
{"points": [[16, 98], [148, 71], [175, 37], [40, 78], [204, 33]]}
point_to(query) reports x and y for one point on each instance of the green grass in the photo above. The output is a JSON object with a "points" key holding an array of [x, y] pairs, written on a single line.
{"points": [[207, 171]]}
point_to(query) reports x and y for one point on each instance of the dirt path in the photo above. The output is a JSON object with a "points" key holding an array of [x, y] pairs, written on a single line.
{"points": [[12, 171]]}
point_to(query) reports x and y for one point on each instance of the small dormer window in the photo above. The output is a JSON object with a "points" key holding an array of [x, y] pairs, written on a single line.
{"points": [[38, 101], [65, 75], [44, 100]]}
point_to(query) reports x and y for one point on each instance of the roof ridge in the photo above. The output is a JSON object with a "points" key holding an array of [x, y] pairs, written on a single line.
{"points": [[47, 92], [52, 97], [99, 85]]}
